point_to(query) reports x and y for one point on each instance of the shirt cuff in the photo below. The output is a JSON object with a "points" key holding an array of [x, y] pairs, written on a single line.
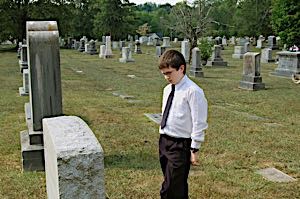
{"points": [[195, 144]]}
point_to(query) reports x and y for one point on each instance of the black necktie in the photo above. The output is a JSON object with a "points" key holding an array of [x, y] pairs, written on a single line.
{"points": [[167, 108]]}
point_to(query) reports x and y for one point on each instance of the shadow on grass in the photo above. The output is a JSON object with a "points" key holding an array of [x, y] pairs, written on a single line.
{"points": [[141, 160]]}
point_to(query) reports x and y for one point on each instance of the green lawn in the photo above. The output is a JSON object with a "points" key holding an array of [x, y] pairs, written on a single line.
{"points": [[247, 130]]}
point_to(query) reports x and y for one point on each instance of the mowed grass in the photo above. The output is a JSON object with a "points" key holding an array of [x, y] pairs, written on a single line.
{"points": [[247, 130]]}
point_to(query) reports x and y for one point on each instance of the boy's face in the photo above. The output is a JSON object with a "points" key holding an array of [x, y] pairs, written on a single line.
{"points": [[172, 75]]}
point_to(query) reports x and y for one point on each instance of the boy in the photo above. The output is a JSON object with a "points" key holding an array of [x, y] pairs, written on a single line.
{"points": [[182, 127]]}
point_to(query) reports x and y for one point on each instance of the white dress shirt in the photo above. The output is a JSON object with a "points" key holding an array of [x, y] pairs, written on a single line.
{"points": [[188, 113]]}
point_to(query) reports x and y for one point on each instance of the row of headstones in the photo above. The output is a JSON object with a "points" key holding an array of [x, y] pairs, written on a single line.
{"points": [[58, 144]]}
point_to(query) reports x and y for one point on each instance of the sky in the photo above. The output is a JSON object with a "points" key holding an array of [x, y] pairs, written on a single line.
{"points": [[172, 2]]}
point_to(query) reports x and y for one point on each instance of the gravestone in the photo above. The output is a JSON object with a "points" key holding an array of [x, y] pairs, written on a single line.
{"points": [[175, 40], [150, 41], [159, 51], [86, 47], [272, 42], [185, 50], [246, 47], [19, 50], [238, 52], [216, 59], [102, 51], [92, 48], [224, 41], [23, 62], [137, 47], [103, 39], [115, 45], [122, 44], [108, 51], [259, 43], [288, 64], [74, 159], [166, 42], [126, 55], [24, 91], [275, 175], [232, 41], [196, 69], [76, 45], [251, 79], [266, 55], [44, 89], [81, 45]]}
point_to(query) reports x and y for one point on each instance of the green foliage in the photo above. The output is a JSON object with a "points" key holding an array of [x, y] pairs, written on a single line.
{"points": [[286, 20], [205, 47], [252, 18], [113, 18]]}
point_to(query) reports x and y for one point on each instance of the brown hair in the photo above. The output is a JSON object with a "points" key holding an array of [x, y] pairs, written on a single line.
{"points": [[173, 59]]}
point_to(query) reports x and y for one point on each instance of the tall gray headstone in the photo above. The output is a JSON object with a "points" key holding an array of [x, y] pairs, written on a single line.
{"points": [[92, 48], [108, 51], [102, 51], [185, 50], [272, 42], [266, 55], [44, 89], [23, 62], [137, 47], [216, 59], [44, 65], [196, 69], [24, 91], [251, 79], [81, 45]]}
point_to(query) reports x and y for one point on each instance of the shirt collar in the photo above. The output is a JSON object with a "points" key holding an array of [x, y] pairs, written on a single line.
{"points": [[181, 82]]}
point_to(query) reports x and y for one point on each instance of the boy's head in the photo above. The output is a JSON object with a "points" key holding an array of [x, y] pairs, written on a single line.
{"points": [[172, 59], [172, 65]]}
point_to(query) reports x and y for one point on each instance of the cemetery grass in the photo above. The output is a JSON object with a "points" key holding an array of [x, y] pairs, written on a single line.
{"points": [[247, 130]]}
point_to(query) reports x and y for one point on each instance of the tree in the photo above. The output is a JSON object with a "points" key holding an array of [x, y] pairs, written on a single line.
{"points": [[113, 18], [286, 21], [191, 21], [252, 17]]}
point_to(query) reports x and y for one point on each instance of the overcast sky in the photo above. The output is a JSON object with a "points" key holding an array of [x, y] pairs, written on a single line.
{"points": [[172, 2]]}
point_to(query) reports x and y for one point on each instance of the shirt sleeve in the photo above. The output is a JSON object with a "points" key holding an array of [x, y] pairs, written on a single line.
{"points": [[198, 106]]}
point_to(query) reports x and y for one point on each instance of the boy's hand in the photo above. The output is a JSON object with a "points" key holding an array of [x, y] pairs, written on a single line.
{"points": [[194, 159]]}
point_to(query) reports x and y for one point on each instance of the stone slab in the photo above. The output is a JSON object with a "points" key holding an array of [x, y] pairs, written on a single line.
{"points": [[35, 137], [32, 155], [155, 117], [275, 175], [251, 86], [216, 63], [74, 159]]}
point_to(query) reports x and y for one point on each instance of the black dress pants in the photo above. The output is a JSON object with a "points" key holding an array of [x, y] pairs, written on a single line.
{"points": [[174, 155]]}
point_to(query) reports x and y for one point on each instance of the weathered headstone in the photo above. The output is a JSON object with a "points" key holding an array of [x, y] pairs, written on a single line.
{"points": [[246, 47], [288, 64], [137, 47], [259, 43], [166, 42], [23, 62], [275, 175], [185, 50], [266, 55], [126, 55], [108, 51], [216, 59], [74, 159], [102, 51], [251, 79], [196, 69], [92, 48], [238, 52], [44, 88], [24, 91], [81, 45], [272, 42], [115, 45]]}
